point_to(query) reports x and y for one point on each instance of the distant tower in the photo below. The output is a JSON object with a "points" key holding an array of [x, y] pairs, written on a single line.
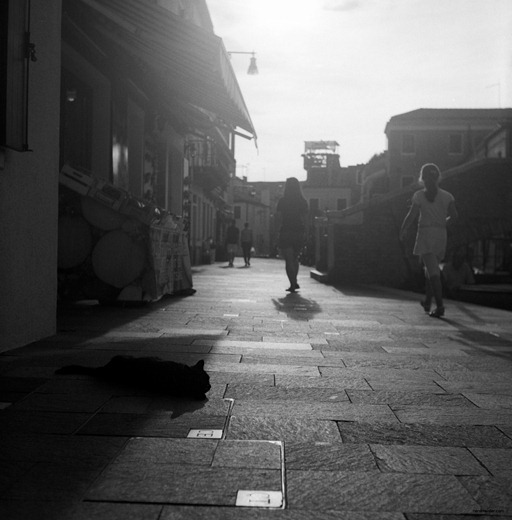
{"points": [[320, 160]]}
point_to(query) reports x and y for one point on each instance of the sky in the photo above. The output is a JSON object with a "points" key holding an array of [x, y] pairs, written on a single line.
{"points": [[338, 70]]}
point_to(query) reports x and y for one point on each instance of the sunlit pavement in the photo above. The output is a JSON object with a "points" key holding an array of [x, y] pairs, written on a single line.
{"points": [[325, 404]]}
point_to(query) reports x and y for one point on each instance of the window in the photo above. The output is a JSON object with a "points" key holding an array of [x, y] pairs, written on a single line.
{"points": [[341, 204], [455, 144], [314, 206], [408, 144], [15, 50], [238, 212]]}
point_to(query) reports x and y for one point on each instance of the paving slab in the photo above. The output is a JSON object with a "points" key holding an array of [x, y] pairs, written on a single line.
{"points": [[180, 484], [54, 402], [41, 422], [424, 434], [424, 351], [395, 361], [79, 451], [265, 351], [342, 411], [249, 454], [498, 461], [325, 456], [135, 347], [40, 509], [166, 405], [287, 429], [408, 398], [263, 368], [345, 382], [148, 425], [314, 361], [380, 383], [158, 450], [431, 460], [50, 481], [493, 494], [116, 511], [390, 374], [452, 415], [259, 344], [373, 491], [462, 374], [335, 344], [489, 400], [280, 393], [482, 386], [222, 377], [224, 513]]}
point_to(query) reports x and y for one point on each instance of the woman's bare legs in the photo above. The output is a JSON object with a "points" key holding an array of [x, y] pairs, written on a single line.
{"points": [[292, 267], [427, 302], [434, 277]]}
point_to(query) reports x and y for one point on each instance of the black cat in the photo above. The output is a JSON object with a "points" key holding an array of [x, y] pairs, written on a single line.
{"points": [[155, 374]]}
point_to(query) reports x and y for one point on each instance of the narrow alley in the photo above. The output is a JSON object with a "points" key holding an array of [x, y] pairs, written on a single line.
{"points": [[328, 403]]}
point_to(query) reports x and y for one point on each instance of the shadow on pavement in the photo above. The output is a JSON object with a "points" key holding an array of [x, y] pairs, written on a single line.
{"points": [[297, 307]]}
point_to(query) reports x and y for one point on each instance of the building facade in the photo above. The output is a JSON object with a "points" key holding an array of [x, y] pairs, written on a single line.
{"points": [[137, 96], [447, 137]]}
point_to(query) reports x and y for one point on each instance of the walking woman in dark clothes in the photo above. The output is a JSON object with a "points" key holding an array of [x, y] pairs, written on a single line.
{"points": [[435, 208], [292, 212]]}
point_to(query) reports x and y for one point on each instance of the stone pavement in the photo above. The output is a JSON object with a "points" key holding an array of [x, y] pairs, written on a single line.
{"points": [[325, 404]]}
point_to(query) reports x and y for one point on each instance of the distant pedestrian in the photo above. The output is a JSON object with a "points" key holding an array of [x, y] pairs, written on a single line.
{"points": [[232, 239], [292, 212], [246, 243], [434, 207]]}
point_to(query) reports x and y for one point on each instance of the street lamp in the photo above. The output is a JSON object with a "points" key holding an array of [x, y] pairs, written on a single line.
{"points": [[253, 68]]}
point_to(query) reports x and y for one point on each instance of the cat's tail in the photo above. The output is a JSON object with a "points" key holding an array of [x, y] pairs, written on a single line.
{"points": [[76, 369]]}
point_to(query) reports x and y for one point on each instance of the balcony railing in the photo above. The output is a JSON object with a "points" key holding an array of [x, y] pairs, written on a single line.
{"points": [[211, 166]]}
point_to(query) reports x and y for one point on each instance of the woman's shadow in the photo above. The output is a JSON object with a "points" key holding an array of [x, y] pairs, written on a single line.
{"points": [[297, 307]]}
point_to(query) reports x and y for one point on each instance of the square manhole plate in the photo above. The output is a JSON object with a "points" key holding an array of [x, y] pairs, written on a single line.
{"points": [[204, 434], [246, 498]]}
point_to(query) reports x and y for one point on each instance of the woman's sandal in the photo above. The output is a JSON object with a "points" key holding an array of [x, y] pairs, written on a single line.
{"points": [[438, 312]]}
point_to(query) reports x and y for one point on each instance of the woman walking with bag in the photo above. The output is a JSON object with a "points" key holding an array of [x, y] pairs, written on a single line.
{"points": [[292, 211], [435, 207]]}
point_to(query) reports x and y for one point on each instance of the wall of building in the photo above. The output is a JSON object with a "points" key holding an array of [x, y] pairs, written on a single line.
{"points": [[28, 197], [430, 146], [328, 197]]}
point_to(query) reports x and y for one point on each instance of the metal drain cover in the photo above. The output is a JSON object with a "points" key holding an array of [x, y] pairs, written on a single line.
{"points": [[204, 434], [247, 498]]}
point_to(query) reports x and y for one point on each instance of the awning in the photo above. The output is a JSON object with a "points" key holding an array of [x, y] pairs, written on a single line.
{"points": [[191, 62]]}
